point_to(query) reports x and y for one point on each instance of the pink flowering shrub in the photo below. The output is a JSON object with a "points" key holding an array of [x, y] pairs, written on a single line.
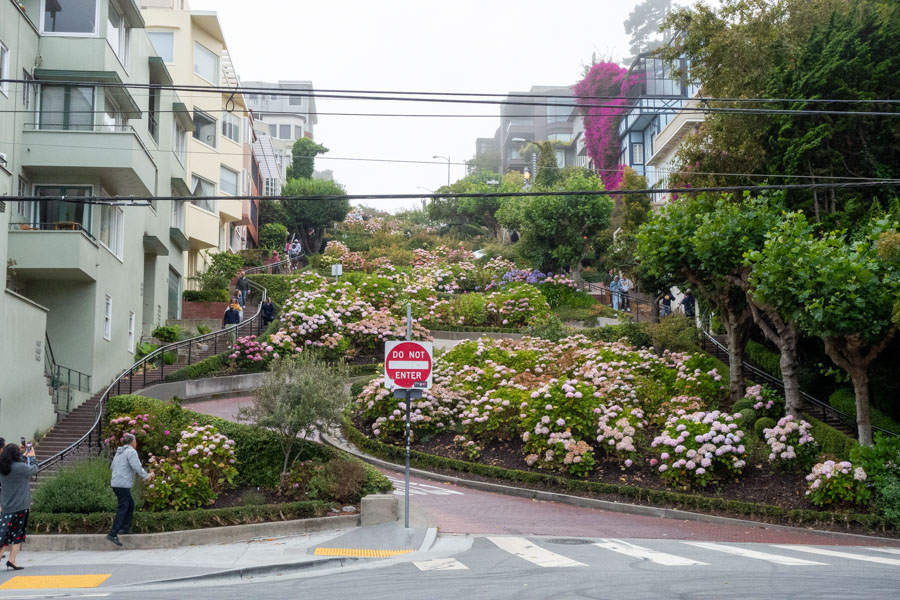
{"points": [[176, 487], [700, 448], [766, 401], [837, 483], [472, 450], [247, 352], [145, 428], [791, 445]]}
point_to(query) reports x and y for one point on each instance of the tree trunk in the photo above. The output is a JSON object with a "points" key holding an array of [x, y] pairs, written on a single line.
{"points": [[738, 332], [789, 378], [576, 272], [654, 309], [860, 379]]}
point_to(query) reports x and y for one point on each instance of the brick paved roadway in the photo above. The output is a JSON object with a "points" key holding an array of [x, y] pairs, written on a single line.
{"points": [[479, 512]]}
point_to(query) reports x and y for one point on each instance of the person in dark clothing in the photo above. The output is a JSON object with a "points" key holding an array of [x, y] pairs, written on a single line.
{"points": [[666, 305], [243, 286], [268, 312], [232, 316], [689, 304], [15, 498]]}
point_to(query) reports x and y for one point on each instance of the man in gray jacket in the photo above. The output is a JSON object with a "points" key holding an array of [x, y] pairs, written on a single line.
{"points": [[124, 466]]}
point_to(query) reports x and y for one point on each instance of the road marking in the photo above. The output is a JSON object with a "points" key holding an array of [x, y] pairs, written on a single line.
{"points": [[51, 582], [875, 559], [440, 564], [363, 552], [421, 489], [775, 558], [890, 550], [522, 548], [660, 558]]}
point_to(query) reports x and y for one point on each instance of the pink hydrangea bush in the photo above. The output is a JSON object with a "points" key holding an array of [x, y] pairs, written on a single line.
{"points": [[791, 445], [766, 401], [247, 352], [836, 483], [700, 448]]}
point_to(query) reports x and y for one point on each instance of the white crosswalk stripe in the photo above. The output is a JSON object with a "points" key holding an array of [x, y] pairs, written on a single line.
{"points": [[527, 550], [888, 550], [738, 551], [421, 489], [655, 556], [837, 554], [440, 564]]}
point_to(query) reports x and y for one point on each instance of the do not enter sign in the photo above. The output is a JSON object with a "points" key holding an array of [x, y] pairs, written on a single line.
{"points": [[407, 365]]}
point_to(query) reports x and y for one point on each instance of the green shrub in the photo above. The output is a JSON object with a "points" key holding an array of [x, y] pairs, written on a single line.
{"points": [[252, 498], [278, 287], [676, 333], [143, 349], [203, 329], [552, 329], [880, 461], [375, 483], [845, 401], [636, 333], [170, 358], [220, 295], [347, 476], [748, 415], [887, 499], [273, 236], [742, 404], [214, 365], [763, 423], [766, 359], [470, 308], [833, 442], [80, 488], [167, 333]]}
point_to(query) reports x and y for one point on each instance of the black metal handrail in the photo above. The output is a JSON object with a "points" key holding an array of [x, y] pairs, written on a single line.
{"points": [[814, 405], [642, 309], [63, 377], [58, 226], [157, 358]]}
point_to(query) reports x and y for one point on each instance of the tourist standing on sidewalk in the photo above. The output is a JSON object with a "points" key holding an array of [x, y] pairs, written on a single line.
{"points": [[627, 284], [124, 466], [15, 498], [243, 286], [615, 288]]}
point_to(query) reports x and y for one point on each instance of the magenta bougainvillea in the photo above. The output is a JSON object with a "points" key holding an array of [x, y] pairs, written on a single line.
{"points": [[603, 81]]}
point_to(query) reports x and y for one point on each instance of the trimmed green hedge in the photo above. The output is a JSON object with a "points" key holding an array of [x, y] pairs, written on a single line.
{"points": [[205, 296], [739, 508], [206, 367], [278, 287], [844, 400], [156, 522], [478, 329], [257, 450]]}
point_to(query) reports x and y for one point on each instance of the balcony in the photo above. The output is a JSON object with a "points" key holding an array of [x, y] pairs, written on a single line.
{"points": [[60, 251], [115, 153], [201, 228]]}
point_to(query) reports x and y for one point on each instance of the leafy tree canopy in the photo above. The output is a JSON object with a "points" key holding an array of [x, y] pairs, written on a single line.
{"points": [[308, 218], [303, 163], [643, 24]]}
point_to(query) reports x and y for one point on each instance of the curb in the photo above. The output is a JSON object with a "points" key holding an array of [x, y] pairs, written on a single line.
{"points": [[189, 537], [583, 502], [250, 572]]}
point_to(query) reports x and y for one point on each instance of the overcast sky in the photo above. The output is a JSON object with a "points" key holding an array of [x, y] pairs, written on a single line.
{"points": [[422, 45]]}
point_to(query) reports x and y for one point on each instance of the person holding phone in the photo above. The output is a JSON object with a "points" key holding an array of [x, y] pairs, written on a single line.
{"points": [[15, 498]]}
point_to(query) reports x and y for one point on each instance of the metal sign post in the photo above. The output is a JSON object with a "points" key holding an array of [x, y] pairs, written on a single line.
{"points": [[408, 417]]}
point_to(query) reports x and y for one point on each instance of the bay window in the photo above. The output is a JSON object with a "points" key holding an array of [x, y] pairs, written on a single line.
{"points": [[204, 128], [228, 181], [67, 107], [206, 63], [164, 44], [202, 187], [231, 128], [60, 214], [70, 17]]}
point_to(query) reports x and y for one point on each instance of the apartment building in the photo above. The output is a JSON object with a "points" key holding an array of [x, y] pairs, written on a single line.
{"points": [[89, 277], [192, 46], [546, 114]]}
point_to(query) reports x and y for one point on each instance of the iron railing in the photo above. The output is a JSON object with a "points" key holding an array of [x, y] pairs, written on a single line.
{"points": [[813, 406], [63, 380], [151, 370], [52, 226], [639, 309]]}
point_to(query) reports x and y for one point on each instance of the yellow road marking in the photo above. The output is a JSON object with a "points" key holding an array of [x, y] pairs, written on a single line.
{"points": [[47, 582], [359, 552]]}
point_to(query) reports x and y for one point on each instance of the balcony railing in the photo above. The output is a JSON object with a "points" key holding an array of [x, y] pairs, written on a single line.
{"points": [[87, 128], [52, 226]]}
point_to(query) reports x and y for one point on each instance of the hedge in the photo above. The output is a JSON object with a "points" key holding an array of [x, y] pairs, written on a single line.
{"points": [[156, 522], [800, 517], [844, 400], [278, 287], [205, 295], [832, 441], [206, 367]]}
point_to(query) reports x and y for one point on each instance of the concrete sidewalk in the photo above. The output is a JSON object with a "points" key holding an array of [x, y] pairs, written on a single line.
{"points": [[46, 571]]}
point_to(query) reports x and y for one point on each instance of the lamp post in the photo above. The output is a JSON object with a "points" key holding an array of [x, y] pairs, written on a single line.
{"points": [[447, 158], [419, 187]]}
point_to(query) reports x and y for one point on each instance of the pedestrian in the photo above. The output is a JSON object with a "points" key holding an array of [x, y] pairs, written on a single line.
{"points": [[666, 305], [294, 254], [243, 287], [232, 315], [268, 312], [689, 304], [15, 498], [615, 288], [627, 285], [276, 268], [2, 444], [124, 466]]}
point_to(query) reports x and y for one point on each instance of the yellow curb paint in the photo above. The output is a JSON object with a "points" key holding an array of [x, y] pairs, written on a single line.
{"points": [[48, 582], [359, 552]]}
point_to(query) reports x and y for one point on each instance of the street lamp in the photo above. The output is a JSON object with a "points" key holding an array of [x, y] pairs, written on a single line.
{"points": [[447, 158]]}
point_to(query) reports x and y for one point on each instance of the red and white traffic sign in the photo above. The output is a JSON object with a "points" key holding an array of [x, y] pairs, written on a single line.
{"points": [[407, 365]]}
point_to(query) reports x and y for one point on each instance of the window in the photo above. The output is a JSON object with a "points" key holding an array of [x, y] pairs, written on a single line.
{"points": [[295, 100], [637, 154], [67, 107], [231, 127], [78, 17], [178, 214], [59, 215], [113, 118], [164, 44], [274, 130], [204, 128], [29, 91], [557, 113], [560, 158], [561, 137], [153, 113], [298, 132], [180, 145], [228, 181], [131, 332], [206, 63], [515, 152], [285, 132], [107, 319], [202, 187], [117, 33], [112, 229], [272, 187], [22, 208], [4, 69]]}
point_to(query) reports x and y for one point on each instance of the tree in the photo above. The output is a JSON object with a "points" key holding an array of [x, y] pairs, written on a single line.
{"points": [[488, 160], [299, 396], [634, 208], [308, 218], [836, 288], [643, 24], [270, 211], [666, 251], [303, 163], [605, 80], [556, 230], [547, 167], [457, 212], [273, 236]]}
